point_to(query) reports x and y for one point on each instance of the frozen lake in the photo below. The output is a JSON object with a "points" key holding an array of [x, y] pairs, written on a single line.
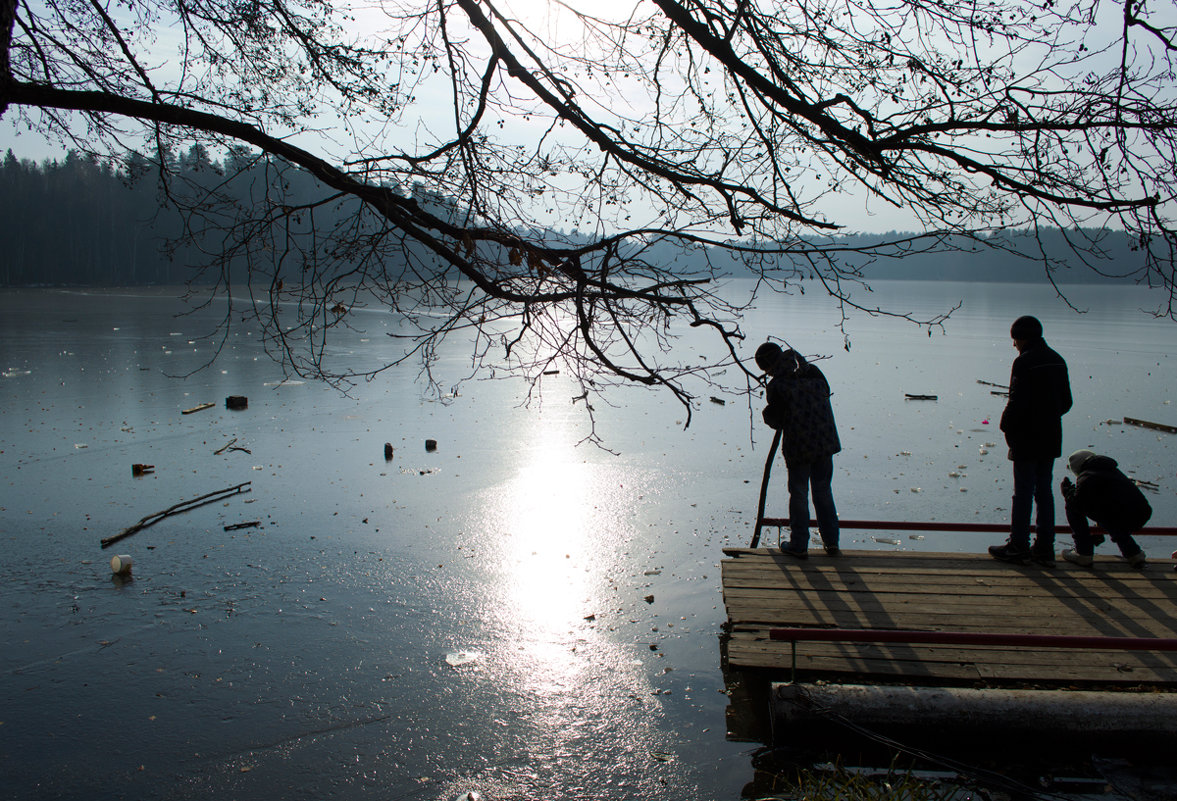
{"points": [[510, 613]]}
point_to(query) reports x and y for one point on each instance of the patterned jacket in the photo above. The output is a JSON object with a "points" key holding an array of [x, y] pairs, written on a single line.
{"points": [[799, 405]]}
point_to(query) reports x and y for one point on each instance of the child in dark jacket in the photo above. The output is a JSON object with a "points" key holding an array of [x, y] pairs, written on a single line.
{"points": [[1107, 496]]}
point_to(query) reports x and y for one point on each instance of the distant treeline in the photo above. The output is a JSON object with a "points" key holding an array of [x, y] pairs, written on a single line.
{"points": [[79, 222], [1008, 256], [75, 222]]}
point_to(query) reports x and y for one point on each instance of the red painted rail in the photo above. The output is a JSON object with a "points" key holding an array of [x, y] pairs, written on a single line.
{"points": [[975, 638], [907, 525]]}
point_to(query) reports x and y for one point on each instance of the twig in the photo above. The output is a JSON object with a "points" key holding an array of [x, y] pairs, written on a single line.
{"points": [[183, 506], [991, 384], [199, 408], [229, 446]]}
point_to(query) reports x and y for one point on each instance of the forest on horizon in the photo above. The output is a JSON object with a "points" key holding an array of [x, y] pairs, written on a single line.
{"points": [[78, 222]]}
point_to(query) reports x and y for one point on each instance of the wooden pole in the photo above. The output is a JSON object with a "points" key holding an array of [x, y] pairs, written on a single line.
{"points": [[776, 441]]}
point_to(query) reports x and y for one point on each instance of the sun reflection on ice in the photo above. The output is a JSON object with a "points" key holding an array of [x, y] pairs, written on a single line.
{"points": [[548, 548], [556, 533]]}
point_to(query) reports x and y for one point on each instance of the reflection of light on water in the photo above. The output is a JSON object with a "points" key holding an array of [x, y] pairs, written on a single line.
{"points": [[546, 546], [555, 535]]}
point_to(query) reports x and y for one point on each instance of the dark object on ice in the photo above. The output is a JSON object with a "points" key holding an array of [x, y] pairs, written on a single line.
{"points": [[247, 524], [1132, 421], [719, 401], [388, 451], [236, 402], [430, 445], [909, 396], [142, 469], [231, 445], [183, 506]]}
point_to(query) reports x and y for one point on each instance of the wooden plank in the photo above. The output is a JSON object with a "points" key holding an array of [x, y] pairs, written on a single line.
{"points": [[946, 664], [867, 563], [1070, 623], [970, 613], [763, 589], [1061, 624], [956, 586], [1146, 424], [1150, 603], [1018, 658], [965, 674]]}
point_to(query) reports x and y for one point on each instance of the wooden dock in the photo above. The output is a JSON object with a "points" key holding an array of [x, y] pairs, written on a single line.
{"points": [[764, 589]]}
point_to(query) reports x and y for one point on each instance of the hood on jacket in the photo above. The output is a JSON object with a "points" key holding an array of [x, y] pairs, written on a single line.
{"points": [[1082, 460]]}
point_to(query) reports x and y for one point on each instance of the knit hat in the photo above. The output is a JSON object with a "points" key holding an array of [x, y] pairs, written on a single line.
{"points": [[1075, 460], [1026, 327]]}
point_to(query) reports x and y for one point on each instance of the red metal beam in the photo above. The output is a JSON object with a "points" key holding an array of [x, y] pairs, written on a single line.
{"points": [[997, 528], [975, 638]]}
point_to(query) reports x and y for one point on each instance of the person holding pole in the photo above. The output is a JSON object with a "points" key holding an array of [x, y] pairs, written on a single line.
{"points": [[1039, 396], [799, 407], [1107, 496]]}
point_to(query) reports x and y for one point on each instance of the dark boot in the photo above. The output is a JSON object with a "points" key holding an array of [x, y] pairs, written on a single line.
{"points": [[1041, 554]]}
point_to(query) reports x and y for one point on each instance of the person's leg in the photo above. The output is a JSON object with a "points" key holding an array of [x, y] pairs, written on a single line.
{"points": [[1022, 504], [1017, 547], [1127, 544], [1044, 500], [823, 501], [1080, 529], [799, 478]]}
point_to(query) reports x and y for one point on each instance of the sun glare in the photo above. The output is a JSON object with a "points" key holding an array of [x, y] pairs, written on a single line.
{"points": [[546, 547]]}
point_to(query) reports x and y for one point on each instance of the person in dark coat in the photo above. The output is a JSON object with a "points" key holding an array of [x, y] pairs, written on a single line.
{"points": [[799, 406], [1107, 496], [1039, 396]]}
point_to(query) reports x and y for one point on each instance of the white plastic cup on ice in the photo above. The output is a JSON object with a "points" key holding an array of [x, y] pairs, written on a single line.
{"points": [[121, 564]]}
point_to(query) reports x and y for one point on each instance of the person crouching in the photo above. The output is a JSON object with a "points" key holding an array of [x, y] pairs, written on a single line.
{"points": [[1107, 496]]}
